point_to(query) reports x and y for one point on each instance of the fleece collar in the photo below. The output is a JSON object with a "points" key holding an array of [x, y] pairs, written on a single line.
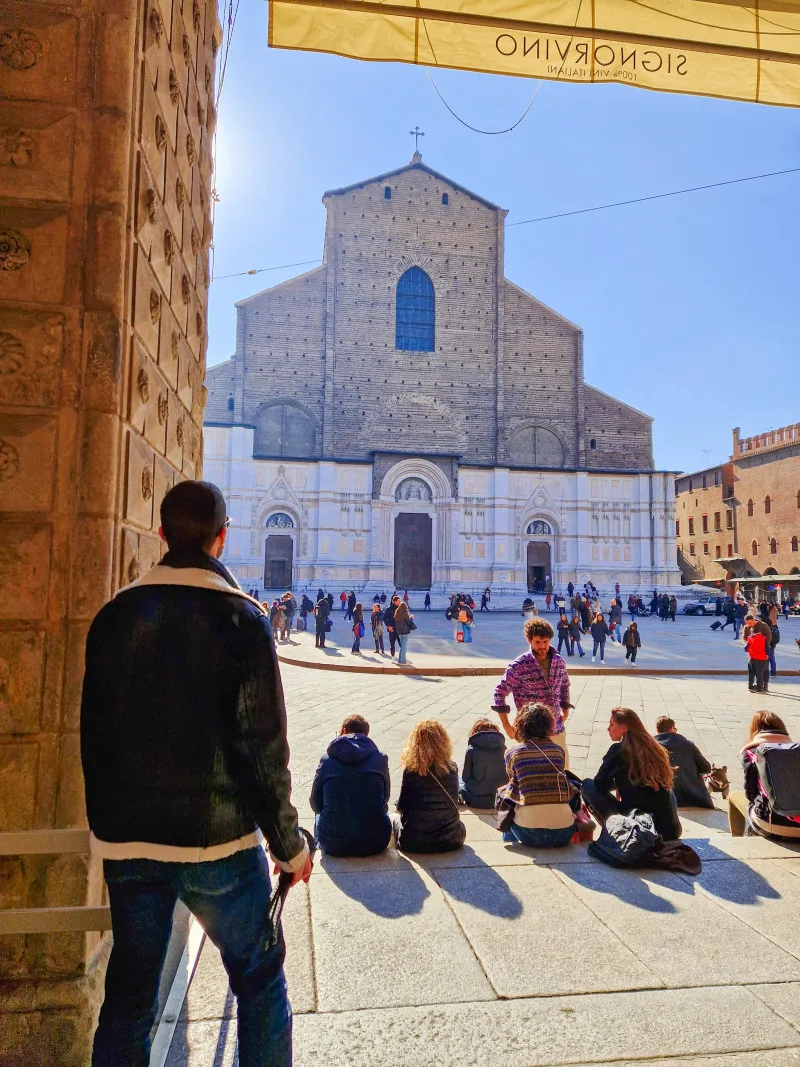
{"points": [[196, 570], [767, 739]]}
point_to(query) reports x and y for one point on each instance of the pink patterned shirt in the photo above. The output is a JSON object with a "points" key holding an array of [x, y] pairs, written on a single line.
{"points": [[526, 683]]}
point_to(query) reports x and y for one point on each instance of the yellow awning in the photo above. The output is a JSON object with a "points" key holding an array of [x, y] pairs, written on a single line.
{"points": [[708, 47]]}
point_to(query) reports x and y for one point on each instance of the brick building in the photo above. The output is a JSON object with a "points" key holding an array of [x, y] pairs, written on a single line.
{"points": [[742, 518], [405, 415]]}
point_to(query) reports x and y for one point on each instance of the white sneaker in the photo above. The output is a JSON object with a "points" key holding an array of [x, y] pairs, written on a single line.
{"points": [[592, 659], [602, 663]]}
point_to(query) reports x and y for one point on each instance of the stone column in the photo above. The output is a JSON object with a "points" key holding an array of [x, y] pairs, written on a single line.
{"points": [[105, 187]]}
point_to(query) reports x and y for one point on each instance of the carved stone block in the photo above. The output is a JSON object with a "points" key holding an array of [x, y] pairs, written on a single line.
{"points": [[131, 567], [24, 569], [35, 153], [139, 482], [27, 462], [148, 306], [185, 150], [99, 450], [155, 138], [102, 339], [192, 450], [176, 198], [151, 548], [37, 55], [73, 674], [21, 681], [150, 218], [71, 801], [182, 68], [31, 346], [33, 247], [147, 403], [91, 586], [170, 346], [195, 113], [18, 796], [200, 200], [164, 481], [176, 431]]}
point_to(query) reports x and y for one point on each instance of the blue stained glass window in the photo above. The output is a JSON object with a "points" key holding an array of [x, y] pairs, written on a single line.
{"points": [[416, 312]]}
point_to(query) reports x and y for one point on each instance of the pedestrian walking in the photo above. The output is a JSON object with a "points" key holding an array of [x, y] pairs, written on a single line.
{"points": [[343, 600], [575, 634], [175, 818], [615, 621], [378, 627], [632, 642], [485, 601], [322, 614], [405, 597], [351, 605], [428, 601], [466, 619], [358, 629], [599, 631], [388, 618], [563, 630], [404, 624], [673, 607]]}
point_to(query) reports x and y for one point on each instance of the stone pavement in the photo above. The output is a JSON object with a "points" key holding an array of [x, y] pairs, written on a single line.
{"points": [[500, 954], [686, 646]]}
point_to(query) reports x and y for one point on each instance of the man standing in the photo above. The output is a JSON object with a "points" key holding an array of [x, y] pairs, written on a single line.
{"points": [[538, 676], [739, 615], [322, 613], [183, 743], [388, 618]]}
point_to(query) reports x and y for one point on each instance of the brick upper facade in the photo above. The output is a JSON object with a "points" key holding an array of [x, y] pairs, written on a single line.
{"points": [[317, 374]]}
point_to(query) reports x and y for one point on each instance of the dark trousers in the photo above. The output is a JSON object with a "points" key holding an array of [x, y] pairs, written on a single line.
{"points": [[230, 897], [760, 670], [319, 636], [379, 643], [630, 653], [392, 640], [563, 640], [601, 644]]}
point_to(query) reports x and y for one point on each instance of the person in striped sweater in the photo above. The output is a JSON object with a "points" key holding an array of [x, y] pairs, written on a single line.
{"points": [[546, 801]]}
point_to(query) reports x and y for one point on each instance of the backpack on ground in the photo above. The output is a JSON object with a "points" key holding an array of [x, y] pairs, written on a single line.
{"points": [[675, 856], [779, 772], [626, 840]]}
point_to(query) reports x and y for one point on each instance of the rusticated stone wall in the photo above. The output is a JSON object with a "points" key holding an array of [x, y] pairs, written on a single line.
{"points": [[106, 130]]}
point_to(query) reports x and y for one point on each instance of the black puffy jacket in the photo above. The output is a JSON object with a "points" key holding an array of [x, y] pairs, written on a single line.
{"points": [[350, 795], [429, 815], [484, 768]]}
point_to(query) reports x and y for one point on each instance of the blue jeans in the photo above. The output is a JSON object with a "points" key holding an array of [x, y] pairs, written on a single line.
{"points": [[773, 666], [535, 838], [602, 646], [616, 634], [402, 641], [467, 628], [230, 897]]}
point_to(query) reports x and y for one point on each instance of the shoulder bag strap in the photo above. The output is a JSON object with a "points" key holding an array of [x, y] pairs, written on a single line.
{"points": [[447, 794]]}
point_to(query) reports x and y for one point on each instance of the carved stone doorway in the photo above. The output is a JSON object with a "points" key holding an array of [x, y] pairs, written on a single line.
{"points": [[539, 565], [413, 551], [278, 556]]}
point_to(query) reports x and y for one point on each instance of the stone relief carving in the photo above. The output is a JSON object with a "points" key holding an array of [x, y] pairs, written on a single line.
{"points": [[187, 51], [12, 353], [195, 241], [143, 385], [208, 81], [161, 134], [185, 290], [134, 569], [174, 91], [16, 148], [196, 19], [173, 344], [190, 149], [156, 25], [201, 118], [147, 483], [179, 432], [162, 408], [9, 461], [413, 489], [539, 527], [150, 205], [169, 246], [155, 305], [180, 194], [280, 521], [20, 49], [15, 250]]}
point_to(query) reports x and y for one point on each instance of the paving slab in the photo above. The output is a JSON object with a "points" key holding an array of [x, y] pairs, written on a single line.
{"points": [[534, 939], [499, 853], [684, 936], [209, 995], [299, 966], [389, 939], [774, 1057], [747, 849], [544, 1032], [783, 998], [203, 1043]]}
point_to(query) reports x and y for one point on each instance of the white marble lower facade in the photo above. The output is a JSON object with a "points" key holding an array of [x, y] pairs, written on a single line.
{"points": [[499, 527]]}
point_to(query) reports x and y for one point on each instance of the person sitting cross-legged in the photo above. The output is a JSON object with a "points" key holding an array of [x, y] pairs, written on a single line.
{"points": [[350, 794], [484, 765], [690, 765], [429, 820], [638, 769], [546, 801], [752, 809]]}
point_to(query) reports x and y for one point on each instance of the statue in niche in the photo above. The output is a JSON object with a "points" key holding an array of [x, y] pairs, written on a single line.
{"points": [[280, 521], [414, 490], [538, 526]]}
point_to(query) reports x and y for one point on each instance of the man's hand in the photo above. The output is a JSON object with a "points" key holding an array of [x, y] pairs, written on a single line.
{"points": [[302, 874]]}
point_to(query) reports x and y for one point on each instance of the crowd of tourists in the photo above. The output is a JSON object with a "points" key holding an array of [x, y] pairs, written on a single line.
{"points": [[186, 772]]}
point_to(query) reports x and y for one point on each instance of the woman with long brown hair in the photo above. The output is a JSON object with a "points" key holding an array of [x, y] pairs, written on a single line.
{"points": [[751, 808], [428, 801], [404, 624], [638, 768]]}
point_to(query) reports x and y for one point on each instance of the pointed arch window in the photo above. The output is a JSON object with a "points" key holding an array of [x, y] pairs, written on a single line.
{"points": [[767, 505], [415, 312]]}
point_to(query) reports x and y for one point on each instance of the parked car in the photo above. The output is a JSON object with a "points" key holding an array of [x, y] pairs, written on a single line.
{"points": [[704, 605]]}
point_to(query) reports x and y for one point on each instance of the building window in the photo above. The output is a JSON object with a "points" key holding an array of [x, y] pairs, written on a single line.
{"points": [[754, 548], [705, 524], [716, 477], [230, 403], [717, 521], [718, 552], [691, 526], [730, 550], [750, 508], [794, 544], [593, 446], [798, 498], [284, 430], [691, 549], [773, 547], [729, 520], [705, 548], [445, 198], [704, 481], [416, 312], [767, 505], [387, 192], [690, 485], [677, 527]]}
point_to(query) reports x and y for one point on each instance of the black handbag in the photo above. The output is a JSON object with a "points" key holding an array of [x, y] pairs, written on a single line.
{"points": [[504, 808]]}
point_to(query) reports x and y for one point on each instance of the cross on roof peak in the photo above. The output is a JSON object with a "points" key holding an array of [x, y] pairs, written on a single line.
{"points": [[416, 133]]}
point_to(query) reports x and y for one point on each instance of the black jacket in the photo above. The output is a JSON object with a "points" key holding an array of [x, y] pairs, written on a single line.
{"points": [[613, 774], [632, 638], [689, 762], [429, 815], [599, 630], [183, 725], [484, 768], [350, 795]]}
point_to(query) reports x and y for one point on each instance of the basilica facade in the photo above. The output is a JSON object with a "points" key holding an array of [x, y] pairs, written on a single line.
{"points": [[404, 416]]}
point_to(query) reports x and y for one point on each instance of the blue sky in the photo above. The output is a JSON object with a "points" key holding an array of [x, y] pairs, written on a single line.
{"points": [[689, 305]]}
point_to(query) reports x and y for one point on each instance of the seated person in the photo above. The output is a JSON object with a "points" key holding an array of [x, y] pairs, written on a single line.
{"points": [[484, 765], [350, 794], [638, 768], [689, 764], [545, 799], [751, 807], [428, 802]]}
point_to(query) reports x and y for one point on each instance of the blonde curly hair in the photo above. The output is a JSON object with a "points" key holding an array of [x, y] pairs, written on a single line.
{"points": [[428, 749]]}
